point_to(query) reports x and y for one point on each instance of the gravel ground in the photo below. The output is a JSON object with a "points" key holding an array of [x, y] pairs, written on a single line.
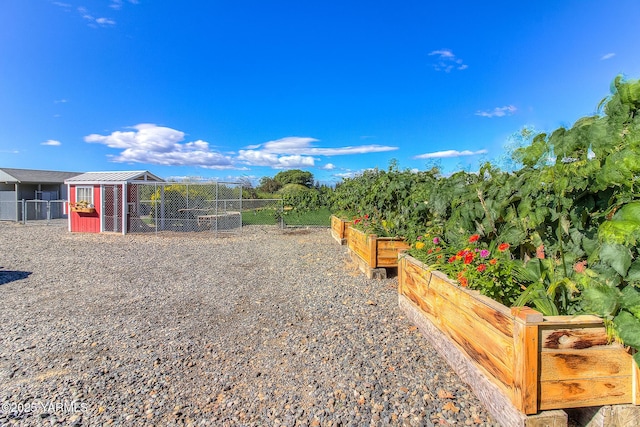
{"points": [[266, 327]]}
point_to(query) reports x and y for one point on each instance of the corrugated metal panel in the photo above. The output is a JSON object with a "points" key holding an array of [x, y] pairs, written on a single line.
{"points": [[112, 177]]}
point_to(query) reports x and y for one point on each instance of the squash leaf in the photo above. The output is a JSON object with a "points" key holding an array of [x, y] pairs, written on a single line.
{"points": [[617, 256], [602, 300], [627, 327]]}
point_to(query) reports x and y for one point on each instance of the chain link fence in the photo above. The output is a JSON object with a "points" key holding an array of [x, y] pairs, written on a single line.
{"points": [[157, 207], [34, 211], [263, 212], [278, 212]]}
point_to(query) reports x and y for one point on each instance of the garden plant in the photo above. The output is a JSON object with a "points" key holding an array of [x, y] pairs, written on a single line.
{"points": [[558, 233]]}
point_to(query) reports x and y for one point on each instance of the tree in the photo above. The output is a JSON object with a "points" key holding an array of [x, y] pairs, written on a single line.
{"points": [[269, 185], [294, 176]]}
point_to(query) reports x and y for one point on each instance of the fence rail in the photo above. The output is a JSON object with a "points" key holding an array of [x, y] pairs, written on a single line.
{"points": [[33, 211]]}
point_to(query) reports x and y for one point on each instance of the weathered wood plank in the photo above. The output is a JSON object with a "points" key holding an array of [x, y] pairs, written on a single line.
{"points": [[565, 321], [491, 396], [584, 392], [387, 251], [573, 337], [570, 364], [607, 416], [455, 314], [371, 251], [585, 363], [525, 361]]}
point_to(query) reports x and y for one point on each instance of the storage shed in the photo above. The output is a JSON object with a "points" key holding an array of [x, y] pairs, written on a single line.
{"points": [[102, 201], [20, 185]]}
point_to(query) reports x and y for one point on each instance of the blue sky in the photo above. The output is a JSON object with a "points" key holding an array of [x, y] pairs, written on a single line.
{"points": [[231, 89]]}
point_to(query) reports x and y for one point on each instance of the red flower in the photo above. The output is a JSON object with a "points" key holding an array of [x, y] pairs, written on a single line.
{"points": [[366, 216], [481, 267], [355, 221], [430, 251], [462, 253], [469, 257], [503, 247], [452, 259], [474, 238], [580, 267]]}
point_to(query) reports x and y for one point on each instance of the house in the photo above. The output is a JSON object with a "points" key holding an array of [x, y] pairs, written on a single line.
{"points": [[21, 189], [103, 201]]}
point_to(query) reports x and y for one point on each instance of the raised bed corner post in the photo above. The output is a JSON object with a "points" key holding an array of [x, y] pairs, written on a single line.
{"points": [[525, 363], [372, 240]]}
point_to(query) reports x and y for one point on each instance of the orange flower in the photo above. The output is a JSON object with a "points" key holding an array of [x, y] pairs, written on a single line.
{"points": [[474, 238], [540, 252], [463, 282], [503, 247], [481, 267], [494, 261]]}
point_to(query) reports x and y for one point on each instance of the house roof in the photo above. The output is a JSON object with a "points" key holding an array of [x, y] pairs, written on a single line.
{"points": [[33, 176], [112, 177]]}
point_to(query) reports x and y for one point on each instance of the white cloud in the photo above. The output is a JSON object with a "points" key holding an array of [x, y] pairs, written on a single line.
{"points": [[62, 5], [159, 145], [329, 167], [449, 153], [447, 61], [148, 143], [261, 158], [294, 151], [52, 142], [60, 101], [103, 22], [344, 175], [607, 56], [498, 112]]}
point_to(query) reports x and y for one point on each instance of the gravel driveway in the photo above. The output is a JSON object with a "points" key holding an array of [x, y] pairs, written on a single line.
{"points": [[266, 327]]}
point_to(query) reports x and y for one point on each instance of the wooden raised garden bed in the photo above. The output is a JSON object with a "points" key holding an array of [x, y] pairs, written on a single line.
{"points": [[518, 361], [374, 254], [340, 229]]}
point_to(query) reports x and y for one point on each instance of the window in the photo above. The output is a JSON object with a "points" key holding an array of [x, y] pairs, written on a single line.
{"points": [[84, 194]]}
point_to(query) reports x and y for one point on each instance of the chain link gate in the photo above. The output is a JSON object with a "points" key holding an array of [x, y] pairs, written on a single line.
{"points": [[182, 207], [112, 208]]}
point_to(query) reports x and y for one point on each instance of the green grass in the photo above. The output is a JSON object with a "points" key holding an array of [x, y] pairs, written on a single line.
{"points": [[265, 216], [259, 217], [320, 217]]}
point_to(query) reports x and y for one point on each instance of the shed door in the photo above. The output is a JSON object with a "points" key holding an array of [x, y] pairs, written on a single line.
{"points": [[112, 208]]}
